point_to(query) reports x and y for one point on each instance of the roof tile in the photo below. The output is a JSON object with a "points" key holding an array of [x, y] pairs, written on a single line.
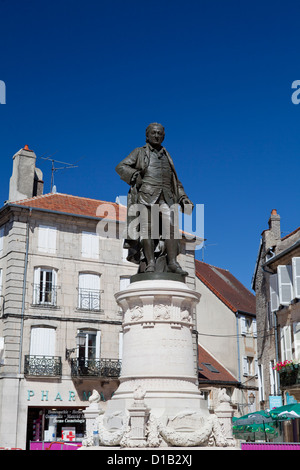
{"points": [[206, 374], [77, 205], [225, 286]]}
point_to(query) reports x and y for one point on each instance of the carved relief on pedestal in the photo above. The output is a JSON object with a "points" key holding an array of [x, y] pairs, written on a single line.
{"points": [[185, 314], [136, 313], [161, 312]]}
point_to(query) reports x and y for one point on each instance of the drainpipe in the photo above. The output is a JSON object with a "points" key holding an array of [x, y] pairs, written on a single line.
{"points": [[239, 353], [276, 353], [238, 346], [22, 323], [24, 290]]}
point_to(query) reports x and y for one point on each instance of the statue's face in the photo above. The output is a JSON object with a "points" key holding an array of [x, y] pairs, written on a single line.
{"points": [[155, 135]]}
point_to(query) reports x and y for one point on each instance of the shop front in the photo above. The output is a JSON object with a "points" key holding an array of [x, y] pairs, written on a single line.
{"points": [[51, 425], [54, 412]]}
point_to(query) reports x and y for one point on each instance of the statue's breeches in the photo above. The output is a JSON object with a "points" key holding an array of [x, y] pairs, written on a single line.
{"points": [[158, 220]]}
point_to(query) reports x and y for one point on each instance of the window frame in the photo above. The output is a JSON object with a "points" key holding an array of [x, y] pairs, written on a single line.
{"points": [[40, 286]]}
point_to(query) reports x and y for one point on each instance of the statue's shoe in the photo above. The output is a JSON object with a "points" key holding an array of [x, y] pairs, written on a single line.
{"points": [[150, 267], [177, 269]]}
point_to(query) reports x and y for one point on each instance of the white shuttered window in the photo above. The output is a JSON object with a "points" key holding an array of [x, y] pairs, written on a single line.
{"points": [[89, 291], [296, 277], [274, 292], [47, 239], [286, 343], [90, 245], [285, 283], [42, 341]]}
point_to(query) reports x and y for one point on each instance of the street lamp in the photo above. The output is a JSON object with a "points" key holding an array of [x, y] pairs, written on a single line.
{"points": [[251, 398], [80, 342]]}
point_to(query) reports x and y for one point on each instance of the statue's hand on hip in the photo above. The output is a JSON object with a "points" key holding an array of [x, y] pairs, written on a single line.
{"points": [[186, 205]]}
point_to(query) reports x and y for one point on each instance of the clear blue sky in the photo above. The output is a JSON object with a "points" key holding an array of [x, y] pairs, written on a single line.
{"points": [[84, 79]]}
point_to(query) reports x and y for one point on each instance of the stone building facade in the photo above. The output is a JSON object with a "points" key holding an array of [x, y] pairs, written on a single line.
{"points": [[226, 322], [276, 284]]}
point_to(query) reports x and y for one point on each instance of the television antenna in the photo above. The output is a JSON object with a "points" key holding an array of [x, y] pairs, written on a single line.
{"points": [[204, 246], [55, 168]]}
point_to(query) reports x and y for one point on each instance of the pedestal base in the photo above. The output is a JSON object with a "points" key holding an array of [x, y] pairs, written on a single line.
{"points": [[158, 353], [159, 362]]}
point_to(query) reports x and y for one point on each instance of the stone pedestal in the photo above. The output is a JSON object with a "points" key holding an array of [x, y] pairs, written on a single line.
{"points": [[158, 353], [158, 402], [224, 413], [91, 414]]}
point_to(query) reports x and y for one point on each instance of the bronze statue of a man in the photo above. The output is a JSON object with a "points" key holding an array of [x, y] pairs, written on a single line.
{"points": [[150, 172]]}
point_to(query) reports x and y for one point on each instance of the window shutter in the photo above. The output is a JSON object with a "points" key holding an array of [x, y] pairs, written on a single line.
{"points": [[42, 342], [98, 345], [245, 366], [54, 287], [89, 291], [272, 378], [51, 239], [254, 327], [286, 343], [47, 239], [43, 237], [54, 278], [270, 316], [243, 326], [85, 247], [285, 284], [89, 281], [274, 293], [90, 245], [296, 277], [95, 246], [36, 285], [83, 281], [261, 386], [296, 332]]}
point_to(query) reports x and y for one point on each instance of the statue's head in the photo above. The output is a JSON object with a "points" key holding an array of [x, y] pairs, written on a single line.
{"points": [[155, 134]]}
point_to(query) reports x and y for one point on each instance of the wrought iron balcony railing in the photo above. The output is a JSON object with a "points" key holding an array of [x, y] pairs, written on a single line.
{"points": [[45, 295], [43, 366], [89, 299], [290, 376], [82, 367]]}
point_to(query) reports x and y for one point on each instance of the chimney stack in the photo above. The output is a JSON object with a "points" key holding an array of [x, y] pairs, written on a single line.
{"points": [[274, 224], [26, 180]]}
